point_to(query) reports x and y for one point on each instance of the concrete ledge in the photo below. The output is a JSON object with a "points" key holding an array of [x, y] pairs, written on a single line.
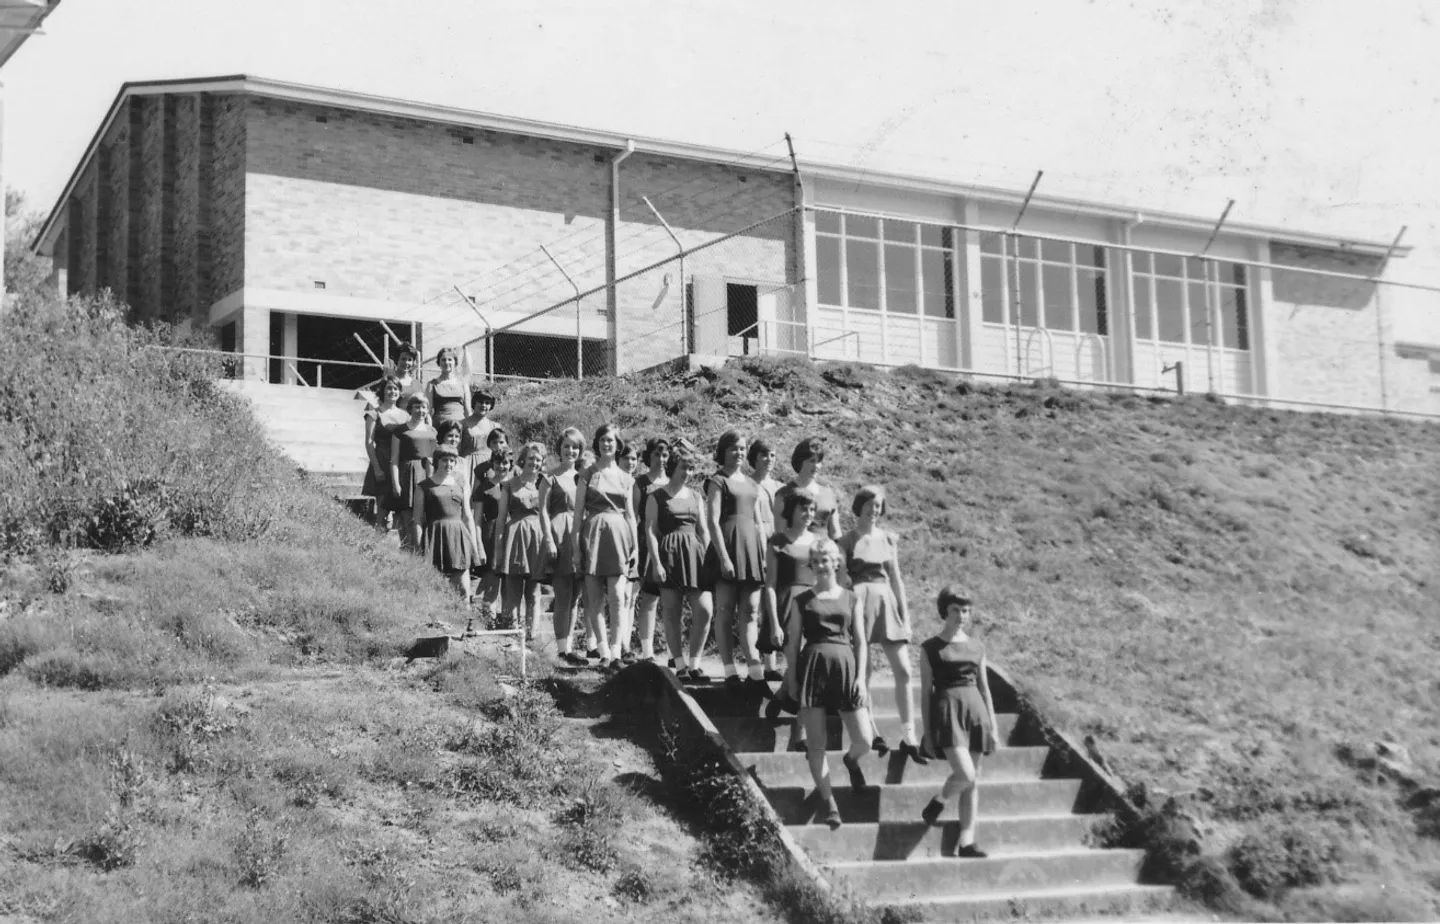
{"points": [[669, 702]]}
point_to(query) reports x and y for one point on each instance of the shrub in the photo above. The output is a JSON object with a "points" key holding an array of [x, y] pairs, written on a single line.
{"points": [[259, 851], [132, 518], [1281, 856], [1208, 882], [634, 886], [111, 846]]}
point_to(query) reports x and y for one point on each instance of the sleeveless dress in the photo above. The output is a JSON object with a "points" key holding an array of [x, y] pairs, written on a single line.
{"points": [[825, 503], [386, 423], [447, 540], [766, 504], [522, 548], [739, 530], [561, 507], [958, 717], [827, 672], [792, 577], [679, 549], [447, 401], [417, 444], [871, 584], [606, 540], [485, 494], [646, 488]]}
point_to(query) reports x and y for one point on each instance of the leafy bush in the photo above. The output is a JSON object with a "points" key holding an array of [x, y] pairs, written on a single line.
{"points": [[111, 846], [1281, 856], [259, 851]]}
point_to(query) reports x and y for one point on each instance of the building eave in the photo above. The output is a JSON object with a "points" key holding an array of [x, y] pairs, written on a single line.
{"points": [[346, 99], [20, 19]]}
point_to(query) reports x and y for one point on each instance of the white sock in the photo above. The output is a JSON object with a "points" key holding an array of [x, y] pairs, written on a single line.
{"points": [[771, 662], [731, 671], [756, 671], [682, 663]]}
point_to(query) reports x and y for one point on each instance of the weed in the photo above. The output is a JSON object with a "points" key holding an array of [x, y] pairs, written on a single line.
{"points": [[1281, 856], [634, 886], [259, 850], [592, 847], [112, 845]]}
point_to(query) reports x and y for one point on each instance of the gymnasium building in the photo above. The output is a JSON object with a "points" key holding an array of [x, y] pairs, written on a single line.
{"points": [[311, 229]]}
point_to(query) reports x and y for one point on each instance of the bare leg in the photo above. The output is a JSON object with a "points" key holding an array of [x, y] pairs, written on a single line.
{"points": [[969, 795], [531, 596], [725, 599], [700, 616], [595, 594], [562, 616], [617, 596], [460, 580], [898, 654], [670, 605], [748, 612], [812, 719], [645, 612]]}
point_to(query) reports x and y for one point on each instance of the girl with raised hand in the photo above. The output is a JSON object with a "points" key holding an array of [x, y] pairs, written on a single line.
{"points": [[604, 533], [678, 537], [448, 395], [655, 459], [737, 562], [380, 423], [411, 446], [560, 505], [873, 565], [806, 461], [522, 536], [442, 516], [825, 642], [959, 714]]}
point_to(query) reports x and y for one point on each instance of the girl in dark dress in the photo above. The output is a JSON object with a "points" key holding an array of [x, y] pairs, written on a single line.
{"points": [[485, 490], [604, 534], [958, 712], [737, 561], [655, 457], [380, 423], [806, 460], [761, 456], [788, 574], [679, 535], [523, 542], [828, 671], [873, 566], [442, 514], [411, 446], [449, 395], [561, 507]]}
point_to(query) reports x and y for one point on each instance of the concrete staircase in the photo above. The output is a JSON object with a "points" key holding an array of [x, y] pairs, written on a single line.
{"points": [[321, 429], [1035, 822]]}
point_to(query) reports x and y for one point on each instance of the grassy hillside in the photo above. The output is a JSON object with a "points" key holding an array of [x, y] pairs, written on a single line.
{"points": [[1237, 604]]}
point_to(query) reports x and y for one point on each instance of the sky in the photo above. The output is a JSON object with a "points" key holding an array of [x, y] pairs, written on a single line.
{"points": [[1320, 115]]}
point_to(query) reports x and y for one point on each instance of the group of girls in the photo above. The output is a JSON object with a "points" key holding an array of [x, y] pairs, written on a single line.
{"points": [[624, 536]]}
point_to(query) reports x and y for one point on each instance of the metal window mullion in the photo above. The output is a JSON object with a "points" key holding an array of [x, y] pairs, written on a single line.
{"points": [[920, 290], [1074, 299], [1185, 312], [1004, 297], [845, 283], [882, 298]]}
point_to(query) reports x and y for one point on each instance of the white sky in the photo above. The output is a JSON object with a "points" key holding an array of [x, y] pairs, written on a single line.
{"points": [[1320, 115]]}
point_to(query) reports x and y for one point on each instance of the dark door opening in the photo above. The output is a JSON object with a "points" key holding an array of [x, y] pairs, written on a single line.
{"points": [[325, 338], [742, 312]]}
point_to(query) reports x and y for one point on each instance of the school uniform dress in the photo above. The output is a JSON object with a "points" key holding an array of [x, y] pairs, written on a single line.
{"points": [[646, 488], [827, 673], [958, 717], [522, 548], [679, 548], [385, 425], [485, 497], [447, 540], [826, 502], [447, 401], [607, 541], [739, 530], [865, 561], [561, 506], [417, 445], [766, 504], [792, 578]]}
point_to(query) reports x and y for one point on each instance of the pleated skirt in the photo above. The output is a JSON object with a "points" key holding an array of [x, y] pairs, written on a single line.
{"points": [[959, 719], [449, 545], [881, 612], [828, 677]]}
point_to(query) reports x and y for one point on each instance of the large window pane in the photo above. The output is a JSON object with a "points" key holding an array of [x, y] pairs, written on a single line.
{"points": [[1199, 316], [1029, 294], [900, 295], [827, 270], [827, 223], [1029, 248], [1058, 294], [991, 283], [937, 283], [1089, 288], [934, 235], [991, 243], [1166, 265], [1055, 251], [899, 231], [1142, 308], [1169, 310], [862, 226], [1194, 268], [862, 272]]}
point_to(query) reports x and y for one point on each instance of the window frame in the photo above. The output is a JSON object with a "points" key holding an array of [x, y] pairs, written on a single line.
{"points": [[1033, 259], [916, 246], [1213, 271]]}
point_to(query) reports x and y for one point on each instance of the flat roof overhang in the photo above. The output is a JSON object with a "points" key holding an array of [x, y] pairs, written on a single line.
{"points": [[346, 99], [20, 19]]}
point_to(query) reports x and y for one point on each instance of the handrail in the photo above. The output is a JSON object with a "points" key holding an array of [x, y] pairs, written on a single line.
{"points": [[1085, 337], [227, 354], [1049, 344], [296, 373]]}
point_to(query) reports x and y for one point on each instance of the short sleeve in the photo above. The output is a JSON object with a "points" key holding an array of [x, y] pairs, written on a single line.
{"points": [[372, 415]]}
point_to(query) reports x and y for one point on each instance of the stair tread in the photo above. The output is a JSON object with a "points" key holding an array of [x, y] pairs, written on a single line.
{"points": [[950, 862], [1024, 894]]}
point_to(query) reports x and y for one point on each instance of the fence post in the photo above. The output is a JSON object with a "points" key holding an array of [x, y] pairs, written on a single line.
{"points": [[579, 333], [1177, 367]]}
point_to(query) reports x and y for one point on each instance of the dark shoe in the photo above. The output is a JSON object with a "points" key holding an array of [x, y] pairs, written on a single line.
{"points": [[910, 751], [571, 657], [774, 676], [971, 852], [931, 812], [879, 746], [758, 689], [772, 710], [852, 767], [628, 657], [593, 654], [734, 685], [831, 815], [698, 676], [670, 664], [799, 747]]}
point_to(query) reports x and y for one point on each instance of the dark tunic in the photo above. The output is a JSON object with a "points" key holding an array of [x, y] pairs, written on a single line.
{"points": [[417, 444], [865, 561], [448, 401], [447, 540], [645, 487], [607, 541], [827, 673], [958, 717], [386, 423], [522, 548], [792, 576], [561, 507], [676, 529], [739, 529]]}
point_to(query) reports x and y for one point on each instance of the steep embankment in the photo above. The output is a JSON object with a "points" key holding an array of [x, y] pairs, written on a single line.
{"points": [[1238, 605]]}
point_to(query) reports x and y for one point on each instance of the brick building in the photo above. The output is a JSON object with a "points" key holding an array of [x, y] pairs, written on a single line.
{"points": [[293, 220]]}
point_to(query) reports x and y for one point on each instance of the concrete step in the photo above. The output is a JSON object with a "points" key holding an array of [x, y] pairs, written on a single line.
{"points": [[797, 805], [756, 733], [911, 840], [1041, 904], [883, 881], [716, 700], [791, 768]]}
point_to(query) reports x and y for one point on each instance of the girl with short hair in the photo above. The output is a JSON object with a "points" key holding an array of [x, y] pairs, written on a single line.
{"points": [[678, 535], [655, 458], [806, 461], [448, 394], [380, 423], [441, 514], [604, 531], [737, 562], [560, 505], [411, 447], [524, 546]]}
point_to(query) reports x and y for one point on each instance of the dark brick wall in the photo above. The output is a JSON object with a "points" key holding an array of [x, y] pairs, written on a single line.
{"points": [[186, 215], [225, 209], [147, 208]]}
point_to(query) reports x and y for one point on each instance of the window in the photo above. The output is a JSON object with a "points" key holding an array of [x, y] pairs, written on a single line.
{"points": [[882, 264], [1190, 300], [1062, 285]]}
